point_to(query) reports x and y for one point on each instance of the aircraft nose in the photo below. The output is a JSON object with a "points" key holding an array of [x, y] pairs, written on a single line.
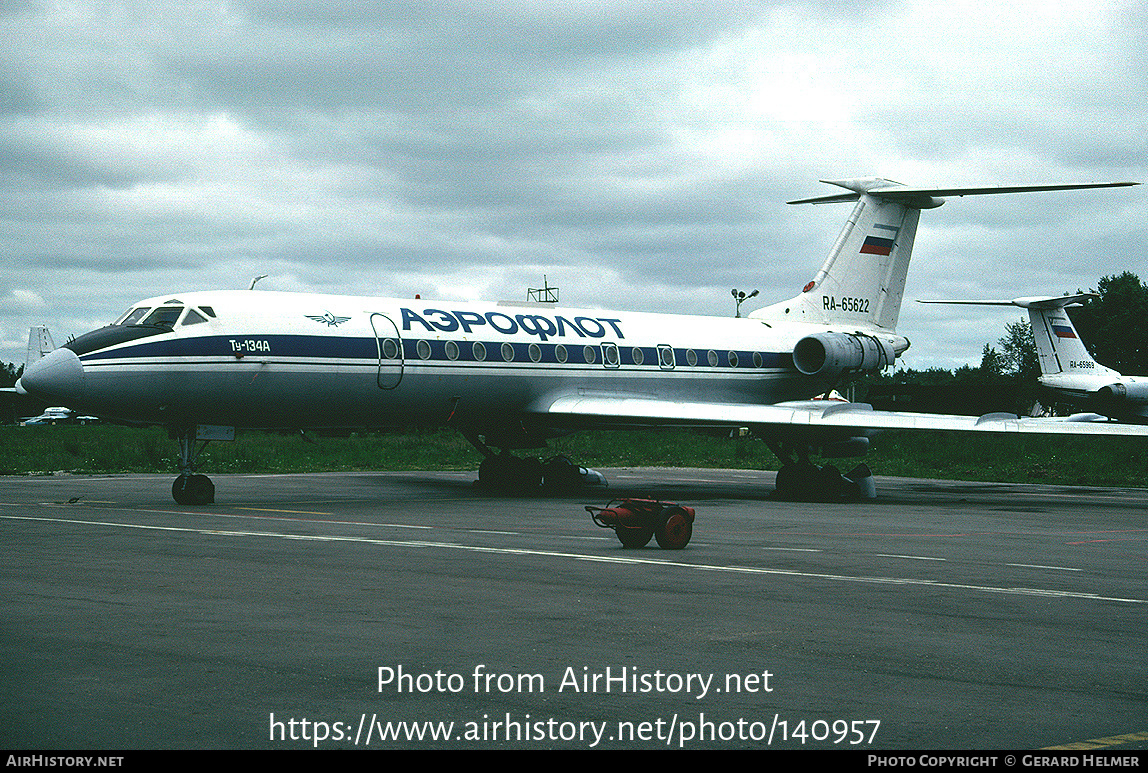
{"points": [[58, 377]]}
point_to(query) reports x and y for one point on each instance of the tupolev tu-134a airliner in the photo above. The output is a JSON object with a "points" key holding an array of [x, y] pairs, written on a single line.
{"points": [[510, 375]]}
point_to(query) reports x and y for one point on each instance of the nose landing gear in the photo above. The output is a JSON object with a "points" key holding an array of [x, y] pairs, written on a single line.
{"points": [[191, 488]]}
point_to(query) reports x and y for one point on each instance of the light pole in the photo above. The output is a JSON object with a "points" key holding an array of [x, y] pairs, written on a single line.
{"points": [[739, 298]]}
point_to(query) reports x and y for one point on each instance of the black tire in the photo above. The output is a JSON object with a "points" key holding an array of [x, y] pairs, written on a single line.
{"points": [[529, 473], [193, 490], [560, 474], [633, 538], [510, 474], [676, 530], [797, 481]]}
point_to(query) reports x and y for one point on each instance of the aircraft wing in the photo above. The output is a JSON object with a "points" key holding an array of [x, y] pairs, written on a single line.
{"points": [[815, 415]]}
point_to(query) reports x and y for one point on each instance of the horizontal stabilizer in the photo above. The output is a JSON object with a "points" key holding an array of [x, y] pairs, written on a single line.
{"points": [[927, 198], [1058, 345], [1038, 302]]}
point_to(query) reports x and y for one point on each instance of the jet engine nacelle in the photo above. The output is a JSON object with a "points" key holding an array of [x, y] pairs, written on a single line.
{"points": [[1124, 393], [830, 354]]}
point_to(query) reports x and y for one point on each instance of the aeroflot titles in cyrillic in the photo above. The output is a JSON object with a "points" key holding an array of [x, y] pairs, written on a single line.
{"points": [[531, 324]]}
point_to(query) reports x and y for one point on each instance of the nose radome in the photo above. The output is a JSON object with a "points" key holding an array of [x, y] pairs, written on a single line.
{"points": [[58, 377]]}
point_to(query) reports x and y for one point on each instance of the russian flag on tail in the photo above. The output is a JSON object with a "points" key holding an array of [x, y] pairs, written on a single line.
{"points": [[880, 245], [876, 245]]}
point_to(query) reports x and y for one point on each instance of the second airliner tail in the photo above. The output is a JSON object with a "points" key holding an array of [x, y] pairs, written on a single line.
{"points": [[1058, 345]]}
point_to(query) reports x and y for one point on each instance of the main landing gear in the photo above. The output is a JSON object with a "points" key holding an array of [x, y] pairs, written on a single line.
{"points": [[800, 480], [503, 472], [507, 473]]}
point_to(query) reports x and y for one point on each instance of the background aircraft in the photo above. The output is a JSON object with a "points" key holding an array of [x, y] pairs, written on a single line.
{"points": [[56, 415], [1068, 369], [509, 375], [19, 407]]}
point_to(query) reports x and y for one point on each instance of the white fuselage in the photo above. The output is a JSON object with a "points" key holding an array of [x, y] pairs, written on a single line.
{"points": [[1108, 392], [268, 359]]}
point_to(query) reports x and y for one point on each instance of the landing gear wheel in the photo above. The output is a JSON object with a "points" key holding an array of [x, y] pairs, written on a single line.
{"points": [[560, 474], [193, 490], [675, 532], [634, 538], [510, 473], [190, 488], [862, 478], [797, 480], [803, 481], [529, 472]]}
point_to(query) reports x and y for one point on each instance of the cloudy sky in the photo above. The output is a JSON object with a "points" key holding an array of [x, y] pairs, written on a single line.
{"points": [[638, 154]]}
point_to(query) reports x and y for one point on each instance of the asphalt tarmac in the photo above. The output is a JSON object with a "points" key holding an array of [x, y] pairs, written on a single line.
{"points": [[410, 610]]}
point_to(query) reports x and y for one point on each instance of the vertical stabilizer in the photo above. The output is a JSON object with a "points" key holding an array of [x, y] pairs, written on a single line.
{"points": [[39, 344], [862, 282], [1060, 347]]}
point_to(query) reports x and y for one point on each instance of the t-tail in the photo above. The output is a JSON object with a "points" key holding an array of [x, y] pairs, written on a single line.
{"points": [[862, 282], [39, 344], [1059, 346]]}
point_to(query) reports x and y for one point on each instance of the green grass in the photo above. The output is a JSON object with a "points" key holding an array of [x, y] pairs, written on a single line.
{"points": [[113, 449], [1077, 461]]}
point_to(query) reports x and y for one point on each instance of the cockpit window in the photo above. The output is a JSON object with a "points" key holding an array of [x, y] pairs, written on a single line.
{"points": [[193, 317], [165, 316], [133, 316]]}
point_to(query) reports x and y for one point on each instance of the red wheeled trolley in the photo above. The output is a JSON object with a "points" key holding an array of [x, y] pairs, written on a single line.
{"points": [[636, 520]]}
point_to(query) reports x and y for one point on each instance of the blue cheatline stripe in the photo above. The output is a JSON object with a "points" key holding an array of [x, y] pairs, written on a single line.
{"points": [[436, 351], [221, 346]]}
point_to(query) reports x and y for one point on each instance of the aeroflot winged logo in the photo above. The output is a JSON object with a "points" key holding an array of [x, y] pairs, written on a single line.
{"points": [[330, 319]]}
